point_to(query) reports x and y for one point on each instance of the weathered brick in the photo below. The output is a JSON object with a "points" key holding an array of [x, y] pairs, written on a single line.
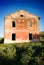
{"points": [[22, 28]]}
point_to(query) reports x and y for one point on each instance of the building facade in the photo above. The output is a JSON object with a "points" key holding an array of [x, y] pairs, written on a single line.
{"points": [[21, 26]]}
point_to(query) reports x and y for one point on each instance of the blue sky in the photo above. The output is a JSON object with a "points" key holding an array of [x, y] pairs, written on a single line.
{"points": [[34, 6]]}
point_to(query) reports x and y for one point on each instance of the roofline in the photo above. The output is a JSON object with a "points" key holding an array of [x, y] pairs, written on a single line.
{"points": [[26, 11]]}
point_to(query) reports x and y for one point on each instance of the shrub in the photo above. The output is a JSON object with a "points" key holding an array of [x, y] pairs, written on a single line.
{"points": [[22, 54]]}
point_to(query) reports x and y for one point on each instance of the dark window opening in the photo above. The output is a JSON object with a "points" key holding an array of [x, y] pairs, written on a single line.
{"points": [[13, 36], [30, 36], [13, 24], [21, 15]]}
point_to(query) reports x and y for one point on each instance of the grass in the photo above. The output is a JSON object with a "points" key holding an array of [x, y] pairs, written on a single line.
{"points": [[22, 54]]}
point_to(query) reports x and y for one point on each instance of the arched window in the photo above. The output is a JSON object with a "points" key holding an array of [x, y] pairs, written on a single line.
{"points": [[13, 23]]}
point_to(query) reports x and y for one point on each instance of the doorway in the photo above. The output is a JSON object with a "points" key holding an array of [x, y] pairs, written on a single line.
{"points": [[30, 36], [13, 36]]}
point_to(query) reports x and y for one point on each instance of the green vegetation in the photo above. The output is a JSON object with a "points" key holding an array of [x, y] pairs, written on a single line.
{"points": [[22, 54], [42, 36], [1, 40]]}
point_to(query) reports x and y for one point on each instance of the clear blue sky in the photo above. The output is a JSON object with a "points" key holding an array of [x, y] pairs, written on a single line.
{"points": [[34, 6]]}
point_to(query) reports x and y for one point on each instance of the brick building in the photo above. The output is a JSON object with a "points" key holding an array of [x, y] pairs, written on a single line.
{"points": [[21, 26]]}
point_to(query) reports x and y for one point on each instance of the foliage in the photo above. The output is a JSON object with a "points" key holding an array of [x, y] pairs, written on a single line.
{"points": [[1, 40], [42, 36], [22, 54]]}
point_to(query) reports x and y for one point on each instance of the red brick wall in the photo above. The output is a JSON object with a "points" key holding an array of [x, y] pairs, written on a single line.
{"points": [[22, 28], [20, 25]]}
